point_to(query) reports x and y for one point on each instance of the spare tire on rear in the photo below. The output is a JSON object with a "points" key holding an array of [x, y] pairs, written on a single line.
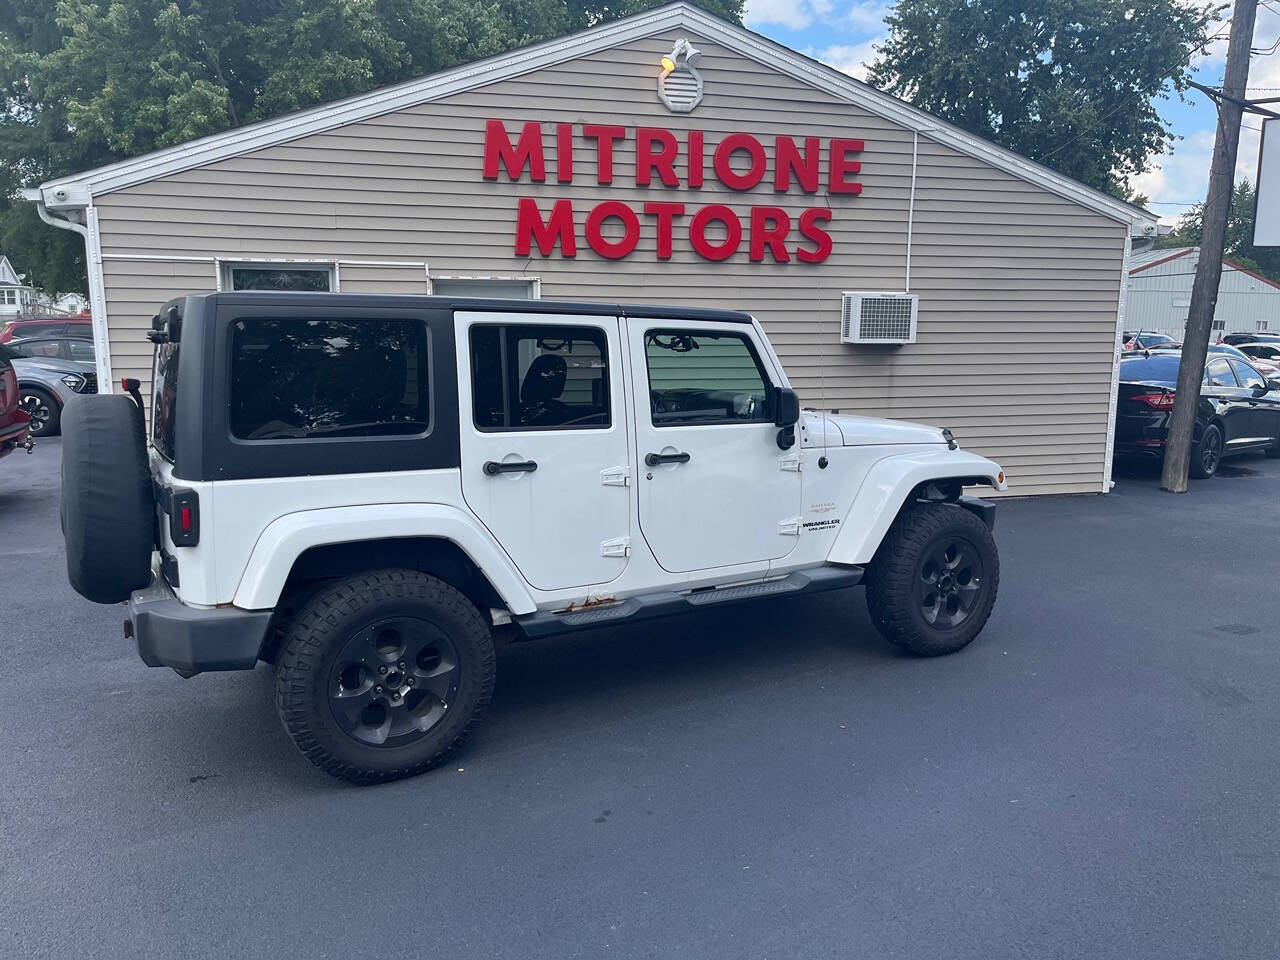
{"points": [[108, 513]]}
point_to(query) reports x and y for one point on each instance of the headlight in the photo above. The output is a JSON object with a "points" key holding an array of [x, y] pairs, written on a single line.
{"points": [[74, 381]]}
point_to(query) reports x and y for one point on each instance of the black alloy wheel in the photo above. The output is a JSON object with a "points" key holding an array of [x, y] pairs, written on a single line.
{"points": [[394, 681], [950, 582], [42, 409], [1206, 456]]}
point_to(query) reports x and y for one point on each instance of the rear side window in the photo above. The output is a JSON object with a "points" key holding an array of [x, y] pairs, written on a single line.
{"points": [[539, 377], [80, 350], [699, 377], [298, 378], [1248, 376], [38, 348], [164, 398], [1218, 374]]}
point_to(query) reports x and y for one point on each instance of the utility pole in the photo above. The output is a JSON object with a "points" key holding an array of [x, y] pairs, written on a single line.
{"points": [[1204, 293]]}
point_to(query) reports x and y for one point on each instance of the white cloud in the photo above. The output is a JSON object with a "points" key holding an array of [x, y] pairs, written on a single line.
{"points": [[850, 58], [868, 15], [793, 14]]}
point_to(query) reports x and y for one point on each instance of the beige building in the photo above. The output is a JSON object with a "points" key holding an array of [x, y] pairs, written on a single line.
{"points": [[669, 157]]}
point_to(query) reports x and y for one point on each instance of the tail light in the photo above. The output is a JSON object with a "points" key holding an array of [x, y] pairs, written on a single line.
{"points": [[8, 388], [184, 518], [1158, 401]]}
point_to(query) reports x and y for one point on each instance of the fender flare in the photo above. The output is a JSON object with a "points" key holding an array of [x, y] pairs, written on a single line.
{"points": [[287, 538], [885, 489]]}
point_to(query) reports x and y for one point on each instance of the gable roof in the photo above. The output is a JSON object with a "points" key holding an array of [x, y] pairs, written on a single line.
{"points": [[1154, 258], [8, 275], [78, 190]]}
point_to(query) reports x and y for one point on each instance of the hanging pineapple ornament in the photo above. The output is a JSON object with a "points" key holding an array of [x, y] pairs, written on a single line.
{"points": [[680, 83]]}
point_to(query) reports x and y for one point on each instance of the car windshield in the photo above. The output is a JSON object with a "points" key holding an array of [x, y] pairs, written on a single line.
{"points": [[1157, 368]]}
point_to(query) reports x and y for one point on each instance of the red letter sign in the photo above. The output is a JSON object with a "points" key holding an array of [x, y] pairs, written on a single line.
{"points": [[613, 249], [770, 225], [821, 240], [527, 152], [698, 232], [558, 228], [664, 161], [730, 177], [604, 137], [666, 213], [842, 166], [787, 161]]}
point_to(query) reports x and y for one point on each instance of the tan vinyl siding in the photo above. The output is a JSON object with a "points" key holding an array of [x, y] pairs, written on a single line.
{"points": [[357, 277], [1018, 287]]}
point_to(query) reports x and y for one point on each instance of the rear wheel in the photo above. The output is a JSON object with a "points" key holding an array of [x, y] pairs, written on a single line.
{"points": [[44, 411], [933, 582], [1207, 453], [383, 675]]}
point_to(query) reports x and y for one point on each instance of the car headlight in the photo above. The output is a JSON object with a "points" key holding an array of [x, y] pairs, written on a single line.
{"points": [[74, 381]]}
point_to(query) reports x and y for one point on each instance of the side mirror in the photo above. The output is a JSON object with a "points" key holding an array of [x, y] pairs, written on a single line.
{"points": [[1262, 389], [786, 414], [1273, 385], [786, 407]]}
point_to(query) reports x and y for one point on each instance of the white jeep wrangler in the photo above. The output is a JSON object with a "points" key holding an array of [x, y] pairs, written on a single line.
{"points": [[360, 489]]}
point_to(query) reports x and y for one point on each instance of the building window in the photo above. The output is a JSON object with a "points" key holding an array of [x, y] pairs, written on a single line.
{"points": [[8, 297], [1218, 326], [1261, 324], [495, 288], [296, 277]]}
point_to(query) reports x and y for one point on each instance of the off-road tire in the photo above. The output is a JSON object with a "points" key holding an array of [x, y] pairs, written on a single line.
{"points": [[1203, 465], [316, 637], [107, 509], [891, 578]]}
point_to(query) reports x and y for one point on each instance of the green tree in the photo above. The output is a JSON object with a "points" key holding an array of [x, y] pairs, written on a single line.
{"points": [[88, 82], [1239, 247], [1070, 83]]}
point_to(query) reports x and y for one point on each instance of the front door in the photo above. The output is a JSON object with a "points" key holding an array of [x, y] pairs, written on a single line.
{"points": [[715, 489], [544, 442]]}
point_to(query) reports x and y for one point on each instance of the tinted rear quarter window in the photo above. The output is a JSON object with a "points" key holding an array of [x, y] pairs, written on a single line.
{"points": [[164, 398], [300, 378]]}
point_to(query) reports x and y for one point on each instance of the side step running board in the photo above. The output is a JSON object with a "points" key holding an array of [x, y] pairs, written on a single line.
{"points": [[666, 604]]}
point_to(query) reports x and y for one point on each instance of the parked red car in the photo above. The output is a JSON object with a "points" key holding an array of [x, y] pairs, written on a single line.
{"points": [[24, 328], [15, 425]]}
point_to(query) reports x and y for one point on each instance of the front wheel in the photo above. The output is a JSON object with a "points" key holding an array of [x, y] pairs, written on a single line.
{"points": [[44, 411], [383, 675], [933, 582]]}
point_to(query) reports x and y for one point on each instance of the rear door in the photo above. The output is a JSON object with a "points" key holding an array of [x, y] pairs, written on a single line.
{"points": [[544, 442], [715, 489], [1232, 404]]}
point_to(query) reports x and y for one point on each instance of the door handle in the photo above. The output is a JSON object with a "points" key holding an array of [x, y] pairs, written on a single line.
{"points": [[492, 467], [653, 459]]}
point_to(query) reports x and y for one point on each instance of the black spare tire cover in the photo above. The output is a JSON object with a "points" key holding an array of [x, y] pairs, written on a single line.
{"points": [[107, 507]]}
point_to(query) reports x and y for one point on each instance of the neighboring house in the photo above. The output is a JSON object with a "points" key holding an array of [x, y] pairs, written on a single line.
{"points": [[16, 297], [670, 157], [70, 303], [1160, 295]]}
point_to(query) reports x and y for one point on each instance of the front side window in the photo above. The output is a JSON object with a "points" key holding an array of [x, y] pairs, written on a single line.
{"points": [[531, 377], [1218, 374], [1248, 376], [38, 348], [306, 278], [80, 350], [300, 378], [704, 377]]}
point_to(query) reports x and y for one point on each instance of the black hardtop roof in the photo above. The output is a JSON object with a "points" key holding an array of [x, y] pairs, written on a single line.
{"points": [[521, 305]]}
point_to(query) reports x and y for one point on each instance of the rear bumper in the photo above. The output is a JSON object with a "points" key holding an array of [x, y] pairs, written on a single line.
{"points": [[12, 437], [189, 639]]}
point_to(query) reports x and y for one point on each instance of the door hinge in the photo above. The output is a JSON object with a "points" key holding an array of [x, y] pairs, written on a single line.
{"points": [[789, 527], [616, 476], [617, 547], [790, 461]]}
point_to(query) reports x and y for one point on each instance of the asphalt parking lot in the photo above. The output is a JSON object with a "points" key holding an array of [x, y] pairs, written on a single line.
{"points": [[1097, 776]]}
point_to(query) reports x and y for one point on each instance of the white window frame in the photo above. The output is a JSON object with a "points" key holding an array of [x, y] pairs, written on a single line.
{"points": [[535, 283], [10, 297], [1260, 325], [223, 268], [1217, 326]]}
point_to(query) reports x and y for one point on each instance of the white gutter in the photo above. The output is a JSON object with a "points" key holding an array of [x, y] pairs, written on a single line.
{"points": [[93, 261]]}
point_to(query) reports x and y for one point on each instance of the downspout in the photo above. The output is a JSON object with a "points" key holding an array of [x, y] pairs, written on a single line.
{"points": [[911, 205], [93, 264]]}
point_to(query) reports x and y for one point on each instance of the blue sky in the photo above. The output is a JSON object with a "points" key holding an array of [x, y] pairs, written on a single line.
{"points": [[843, 32]]}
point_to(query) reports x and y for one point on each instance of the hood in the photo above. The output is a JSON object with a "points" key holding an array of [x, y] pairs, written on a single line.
{"points": [[845, 430]]}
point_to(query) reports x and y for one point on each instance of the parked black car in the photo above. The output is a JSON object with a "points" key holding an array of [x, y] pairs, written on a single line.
{"points": [[1144, 339], [1239, 410], [1235, 339]]}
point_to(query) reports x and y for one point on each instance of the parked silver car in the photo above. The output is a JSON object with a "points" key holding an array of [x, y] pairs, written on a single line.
{"points": [[45, 384]]}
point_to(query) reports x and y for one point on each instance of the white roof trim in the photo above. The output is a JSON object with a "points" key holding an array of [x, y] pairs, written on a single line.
{"points": [[78, 190]]}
